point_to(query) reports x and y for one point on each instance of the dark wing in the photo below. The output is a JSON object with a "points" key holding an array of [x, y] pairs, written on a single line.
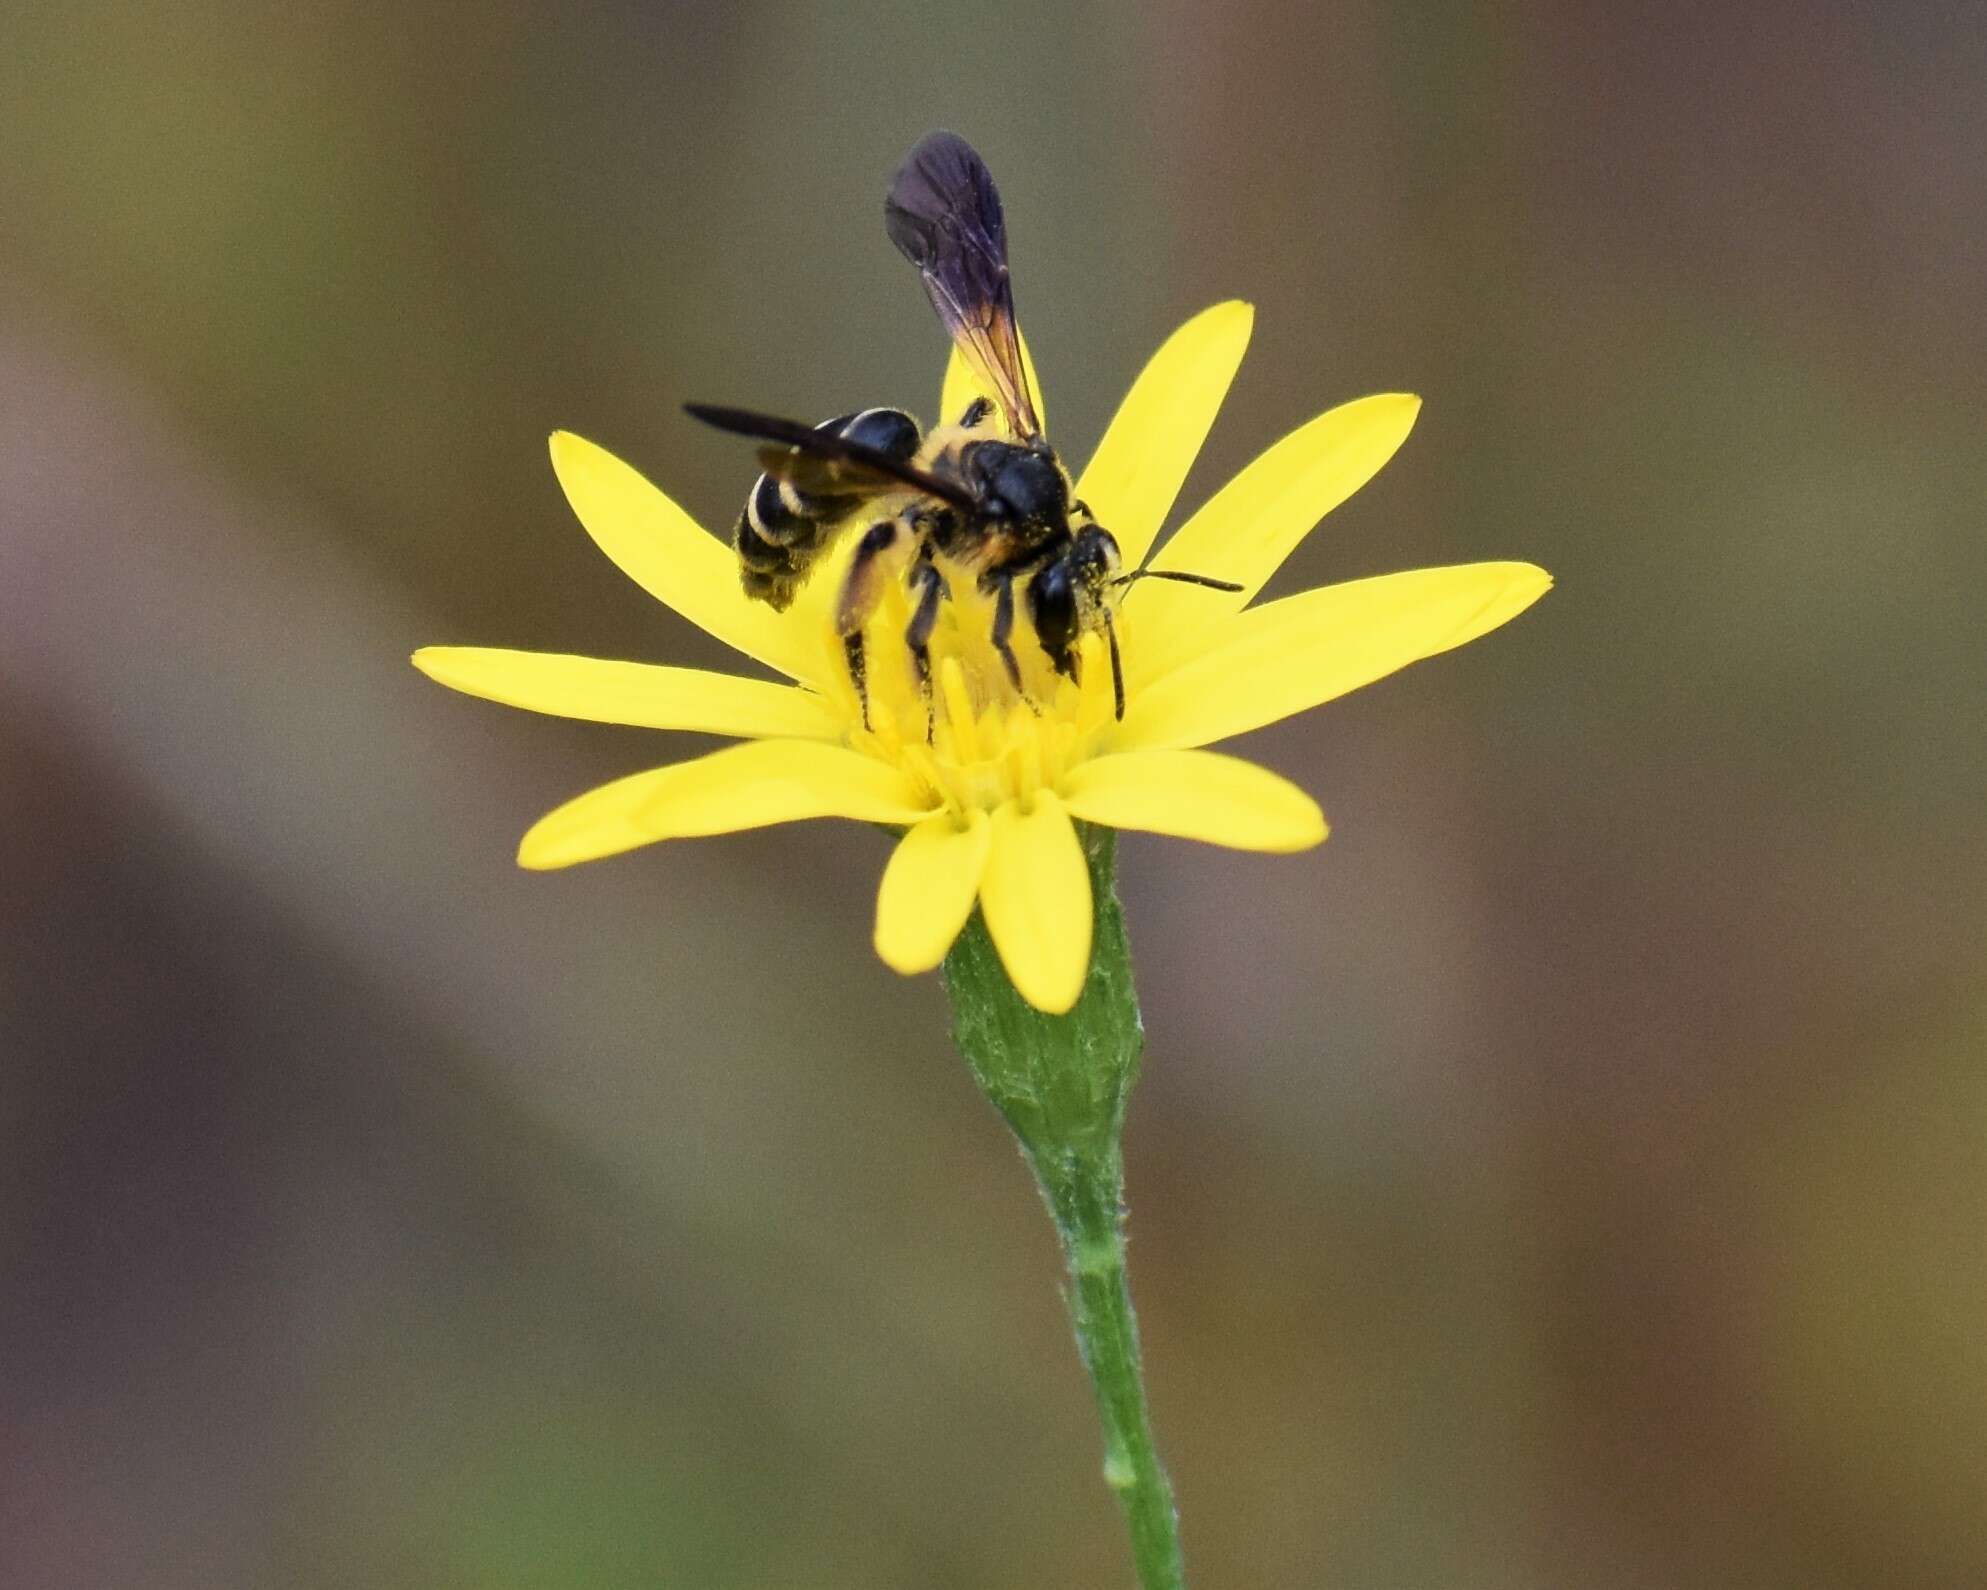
{"points": [[943, 213], [822, 462]]}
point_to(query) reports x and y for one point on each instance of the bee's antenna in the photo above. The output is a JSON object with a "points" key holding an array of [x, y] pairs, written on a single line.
{"points": [[1208, 581], [1117, 666]]}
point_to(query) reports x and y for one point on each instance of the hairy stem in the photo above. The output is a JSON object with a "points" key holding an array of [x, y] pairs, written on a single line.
{"points": [[1086, 1200], [1062, 1083]]}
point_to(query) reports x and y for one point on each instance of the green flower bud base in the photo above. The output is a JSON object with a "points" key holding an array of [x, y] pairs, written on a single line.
{"points": [[1062, 1083]]}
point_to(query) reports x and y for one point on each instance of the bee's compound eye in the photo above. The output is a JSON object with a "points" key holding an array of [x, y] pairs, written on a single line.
{"points": [[1052, 606]]}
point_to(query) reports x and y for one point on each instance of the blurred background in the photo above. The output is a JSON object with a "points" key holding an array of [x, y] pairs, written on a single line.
{"points": [[1574, 1174]]}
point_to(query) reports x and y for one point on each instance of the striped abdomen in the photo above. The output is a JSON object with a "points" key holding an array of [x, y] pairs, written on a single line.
{"points": [[784, 529]]}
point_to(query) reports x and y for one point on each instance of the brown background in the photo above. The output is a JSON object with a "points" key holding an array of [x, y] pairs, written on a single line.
{"points": [[1573, 1175]]}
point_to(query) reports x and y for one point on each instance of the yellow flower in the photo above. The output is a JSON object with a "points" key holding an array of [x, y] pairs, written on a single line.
{"points": [[985, 784]]}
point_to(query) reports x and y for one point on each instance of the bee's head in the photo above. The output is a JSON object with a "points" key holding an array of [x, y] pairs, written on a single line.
{"points": [[1094, 559], [1069, 596]]}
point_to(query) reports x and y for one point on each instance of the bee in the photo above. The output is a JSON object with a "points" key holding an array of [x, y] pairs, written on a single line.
{"points": [[974, 500]]}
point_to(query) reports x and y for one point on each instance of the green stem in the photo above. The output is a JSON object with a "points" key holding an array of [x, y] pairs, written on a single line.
{"points": [[1089, 1215], [1062, 1083]]}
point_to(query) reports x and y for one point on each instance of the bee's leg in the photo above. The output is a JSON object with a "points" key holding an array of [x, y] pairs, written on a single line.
{"points": [[878, 555], [931, 588], [1003, 626], [976, 413]]}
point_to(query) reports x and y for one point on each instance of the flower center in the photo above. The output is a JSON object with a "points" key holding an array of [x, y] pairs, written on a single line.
{"points": [[976, 740]]}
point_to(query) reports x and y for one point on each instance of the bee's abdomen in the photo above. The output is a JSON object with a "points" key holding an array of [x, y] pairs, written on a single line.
{"points": [[784, 530]]}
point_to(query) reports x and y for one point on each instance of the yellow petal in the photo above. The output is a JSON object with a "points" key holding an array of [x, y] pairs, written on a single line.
{"points": [[1287, 656], [928, 890], [1157, 432], [742, 786], [1036, 895], [1251, 525], [669, 555], [962, 386], [645, 695], [1195, 795]]}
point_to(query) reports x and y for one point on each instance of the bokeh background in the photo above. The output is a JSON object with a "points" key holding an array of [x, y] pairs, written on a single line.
{"points": [[1575, 1174]]}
